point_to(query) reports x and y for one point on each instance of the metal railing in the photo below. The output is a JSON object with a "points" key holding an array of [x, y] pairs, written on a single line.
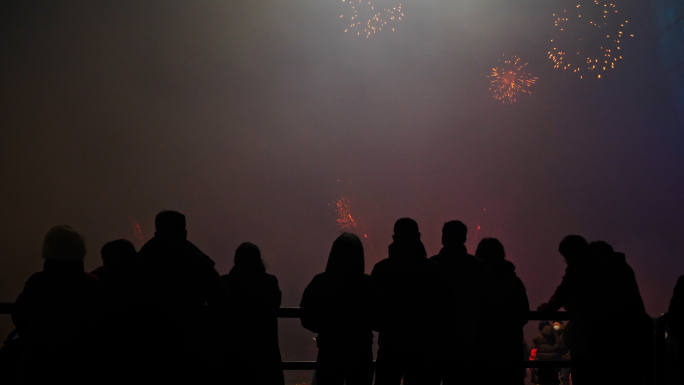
{"points": [[661, 362], [295, 312]]}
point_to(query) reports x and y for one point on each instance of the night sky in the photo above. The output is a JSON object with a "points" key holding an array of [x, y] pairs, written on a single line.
{"points": [[254, 117]]}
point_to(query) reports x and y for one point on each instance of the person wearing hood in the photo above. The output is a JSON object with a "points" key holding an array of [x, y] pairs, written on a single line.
{"points": [[468, 278], [598, 288], [176, 301], [415, 315], [254, 300], [59, 315], [340, 305], [505, 312]]}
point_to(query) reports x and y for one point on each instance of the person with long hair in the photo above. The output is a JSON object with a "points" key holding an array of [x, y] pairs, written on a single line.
{"points": [[254, 298], [340, 305]]}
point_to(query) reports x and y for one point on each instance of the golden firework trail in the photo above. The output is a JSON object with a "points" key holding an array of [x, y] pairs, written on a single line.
{"points": [[509, 80]]}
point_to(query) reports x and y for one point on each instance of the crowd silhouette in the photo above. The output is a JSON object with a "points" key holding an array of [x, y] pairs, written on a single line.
{"points": [[165, 315]]}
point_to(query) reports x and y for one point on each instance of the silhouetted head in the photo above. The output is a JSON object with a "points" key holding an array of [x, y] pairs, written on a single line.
{"points": [[454, 233], [118, 254], [346, 255], [600, 249], [171, 225], [490, 249], [63, 243], [406, 229], [248, 258], [573, 248]]}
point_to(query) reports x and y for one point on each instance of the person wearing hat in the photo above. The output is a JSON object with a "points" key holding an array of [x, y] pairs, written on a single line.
{"points": [[59, 314]]}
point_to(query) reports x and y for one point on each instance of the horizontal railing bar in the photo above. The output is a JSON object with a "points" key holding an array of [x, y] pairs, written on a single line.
{"points": [[311, 365], [295, 312]]}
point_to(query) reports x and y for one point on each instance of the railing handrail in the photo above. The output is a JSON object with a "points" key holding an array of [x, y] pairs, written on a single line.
{"points": [[295, 312]]}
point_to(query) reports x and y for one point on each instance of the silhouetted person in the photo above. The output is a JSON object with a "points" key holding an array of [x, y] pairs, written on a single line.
{"points": [[59, 315], [468, 277], [504, 315], [340, 305], [414, 311], [177, 301], [254, 300], [600, 289], [550, 347], [676, 323], [118, 257]]}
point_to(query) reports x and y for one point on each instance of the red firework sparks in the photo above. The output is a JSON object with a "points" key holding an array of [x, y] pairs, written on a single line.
{"points": [[137, 231], [344, 217]]}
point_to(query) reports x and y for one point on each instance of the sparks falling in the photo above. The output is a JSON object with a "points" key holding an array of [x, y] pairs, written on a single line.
{"points": [[362, 18], [344, 216], [509, 80], [588, 38], [137, 231]]}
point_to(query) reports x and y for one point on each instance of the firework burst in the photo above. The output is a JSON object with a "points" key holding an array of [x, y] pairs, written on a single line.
{"points": [[344, 216], [137, 231], [364, 18], [587, 38], [509, 80]]}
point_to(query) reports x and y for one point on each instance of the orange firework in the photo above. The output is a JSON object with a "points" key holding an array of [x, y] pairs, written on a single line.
{"points": [[588, 37], [509, 80], [364, 19], [344, 217]]}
